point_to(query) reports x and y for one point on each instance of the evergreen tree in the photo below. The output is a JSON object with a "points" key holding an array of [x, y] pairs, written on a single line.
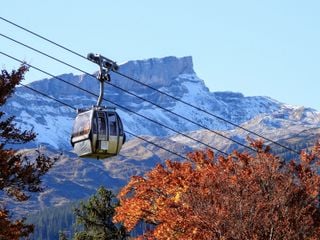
{"points": [[96, 218], [62, 236], [18, 174], [51, 221]]}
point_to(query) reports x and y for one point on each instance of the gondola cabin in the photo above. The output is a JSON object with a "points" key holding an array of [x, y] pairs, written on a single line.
{"points": [[97, 133]]}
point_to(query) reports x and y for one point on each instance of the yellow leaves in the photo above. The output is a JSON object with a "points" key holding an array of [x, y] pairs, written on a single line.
{"points": [[176, 198], [3, 214], [195, 230]]}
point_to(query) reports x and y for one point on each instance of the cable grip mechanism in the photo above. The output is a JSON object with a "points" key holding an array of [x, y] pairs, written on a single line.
{"points": [[105, 66]]}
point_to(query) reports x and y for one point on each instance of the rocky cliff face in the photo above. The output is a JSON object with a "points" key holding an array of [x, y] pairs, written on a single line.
{"points": [[158, 73]]}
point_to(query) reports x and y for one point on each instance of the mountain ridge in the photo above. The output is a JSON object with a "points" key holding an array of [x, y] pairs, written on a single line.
{"points": [[180, 81]]}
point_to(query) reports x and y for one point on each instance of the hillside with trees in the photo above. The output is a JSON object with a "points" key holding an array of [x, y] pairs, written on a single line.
{"points": [[49, 222], [241, 196]]}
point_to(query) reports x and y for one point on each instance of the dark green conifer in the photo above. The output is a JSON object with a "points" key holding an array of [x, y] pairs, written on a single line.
{"points": [[96, 215], [62, 236]]}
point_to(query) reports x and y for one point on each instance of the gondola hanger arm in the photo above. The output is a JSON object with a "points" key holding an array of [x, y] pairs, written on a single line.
{"points": [[105, 66]]}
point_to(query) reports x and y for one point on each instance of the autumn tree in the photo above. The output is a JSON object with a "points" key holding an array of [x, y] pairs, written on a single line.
{"points": [[18, 174], [96, 215], [242, 196]]}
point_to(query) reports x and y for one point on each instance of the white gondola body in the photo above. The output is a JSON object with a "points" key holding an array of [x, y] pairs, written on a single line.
{"points": [[97, 133]]}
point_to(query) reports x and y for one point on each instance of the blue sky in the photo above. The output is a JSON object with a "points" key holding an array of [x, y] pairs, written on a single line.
{"points": [[269, 48]]}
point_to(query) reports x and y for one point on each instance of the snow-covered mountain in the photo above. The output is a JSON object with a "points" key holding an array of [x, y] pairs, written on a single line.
{"points": [[74, 178], [175, 76]]}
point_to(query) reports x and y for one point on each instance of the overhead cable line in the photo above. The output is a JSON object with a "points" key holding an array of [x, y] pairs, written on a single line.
{"points": [[157, 145], [44, 38], [207, 112], [116, 104], [47, 96], [128, 92], [157, 90]]}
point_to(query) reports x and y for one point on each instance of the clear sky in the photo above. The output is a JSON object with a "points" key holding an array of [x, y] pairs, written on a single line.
{"points": [[269, 48]]}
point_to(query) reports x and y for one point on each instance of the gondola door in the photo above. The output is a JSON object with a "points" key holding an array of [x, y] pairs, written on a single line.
{"points": [[102, 133], [113, 132]]}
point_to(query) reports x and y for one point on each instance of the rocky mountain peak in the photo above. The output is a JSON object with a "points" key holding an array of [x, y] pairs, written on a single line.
{"points": [[158, 72]]}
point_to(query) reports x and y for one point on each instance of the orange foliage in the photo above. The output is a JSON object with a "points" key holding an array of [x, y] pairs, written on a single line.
{"points": [[13, 229], [241, 196]]}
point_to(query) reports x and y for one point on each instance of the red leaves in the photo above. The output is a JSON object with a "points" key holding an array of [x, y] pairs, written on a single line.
{"points": [[8, 82], [13, 230], [236, 197]]}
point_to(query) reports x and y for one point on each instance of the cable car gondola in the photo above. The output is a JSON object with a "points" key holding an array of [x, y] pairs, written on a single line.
{"points": [[98, 131]]}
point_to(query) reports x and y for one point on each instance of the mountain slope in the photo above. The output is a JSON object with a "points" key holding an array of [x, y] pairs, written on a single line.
{"points": [[73, 178], [174, 76]]}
